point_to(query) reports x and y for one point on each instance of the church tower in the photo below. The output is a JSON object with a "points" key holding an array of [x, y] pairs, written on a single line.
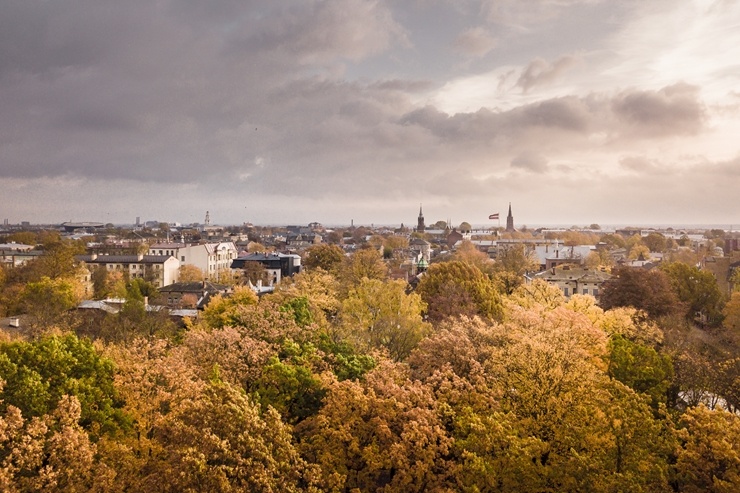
{"points": [[420, 224], [510, 221]]}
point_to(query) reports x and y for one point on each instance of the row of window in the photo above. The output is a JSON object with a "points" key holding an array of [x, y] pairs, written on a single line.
{"points": [[594, 292]]}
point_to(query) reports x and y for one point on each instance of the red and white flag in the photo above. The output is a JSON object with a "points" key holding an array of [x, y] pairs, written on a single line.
{"points": [[493, 216]]}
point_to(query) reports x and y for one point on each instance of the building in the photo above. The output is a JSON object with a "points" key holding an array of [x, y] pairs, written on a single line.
{"points": [[17, 254], [510, 221], [212, 258], [160, 270], [277, 265], [420, 227], [571, 279], [190, 294]]}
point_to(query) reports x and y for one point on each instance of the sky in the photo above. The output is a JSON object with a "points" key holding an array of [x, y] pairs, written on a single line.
{"points": [[340, 111]]}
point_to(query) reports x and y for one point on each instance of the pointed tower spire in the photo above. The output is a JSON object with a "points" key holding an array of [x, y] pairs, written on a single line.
{"points": [[510, 221], [420, 224]]}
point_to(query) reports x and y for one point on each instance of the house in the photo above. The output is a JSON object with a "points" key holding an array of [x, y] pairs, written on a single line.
{"points": [[211, 258], [277, 265], [190, 294], [160, 270], [572, 279], [12, 255]]}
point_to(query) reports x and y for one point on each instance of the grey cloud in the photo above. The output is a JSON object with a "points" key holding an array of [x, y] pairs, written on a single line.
{"points": [[322, 31], [641, 165], [475, 41], [540, 72], [530, 161], [673, 110]]}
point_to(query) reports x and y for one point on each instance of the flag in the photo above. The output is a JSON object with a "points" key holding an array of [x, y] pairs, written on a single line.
{"points": [[493, 216]]}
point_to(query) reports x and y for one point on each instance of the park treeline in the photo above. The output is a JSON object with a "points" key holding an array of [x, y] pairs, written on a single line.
{"points": [[345, 380]]}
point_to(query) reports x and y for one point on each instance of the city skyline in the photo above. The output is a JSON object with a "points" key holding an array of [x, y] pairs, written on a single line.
{"points": [[576, 111]]}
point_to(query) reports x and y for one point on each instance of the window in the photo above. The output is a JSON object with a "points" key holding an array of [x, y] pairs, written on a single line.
{"points": [[596, 292], [585, 290], [566, 291], [182, 259]]}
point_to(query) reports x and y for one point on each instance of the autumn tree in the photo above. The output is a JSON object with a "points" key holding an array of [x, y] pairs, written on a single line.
{"points": [[650, 291], [511, 265], [50, 453], [224, 310], [707, 459], [190, 273], [453, 288], [656, 242], [381, 315], [364, 263], [383, 434], [325, 256]]}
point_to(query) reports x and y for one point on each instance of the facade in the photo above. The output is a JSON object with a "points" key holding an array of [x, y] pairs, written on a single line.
{"points": [[160, 270], [573, 280], [277, 265], [212, 258]]}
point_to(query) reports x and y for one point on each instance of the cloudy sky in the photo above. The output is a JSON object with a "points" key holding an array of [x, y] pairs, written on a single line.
{"points": [[291, 111]]}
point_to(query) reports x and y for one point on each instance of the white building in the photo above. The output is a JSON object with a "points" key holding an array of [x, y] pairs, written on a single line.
{"points": [[212, 258]]}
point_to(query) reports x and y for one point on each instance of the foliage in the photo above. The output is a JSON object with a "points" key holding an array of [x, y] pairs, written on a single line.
{"points": [[48, 298], [698, 289], [50, 453], [381, 315], [364, 263], [318, 287], [379, 435], [323, 256], [649, 291], [458, 288], [40, 372], [708, 459], [640, 368], [223, 310], [190, 273]]}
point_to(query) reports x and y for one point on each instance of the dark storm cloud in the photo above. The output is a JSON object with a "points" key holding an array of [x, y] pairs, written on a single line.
{"points": [[161, 91]]}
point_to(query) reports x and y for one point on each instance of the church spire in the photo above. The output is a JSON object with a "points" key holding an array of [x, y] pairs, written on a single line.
{"points": [[510, 221], [420, 224]]}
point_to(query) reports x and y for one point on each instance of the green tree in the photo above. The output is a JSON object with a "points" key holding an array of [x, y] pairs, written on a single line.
{"points": [[699, 291], [40, 372], [640, 368], [48, 298]]}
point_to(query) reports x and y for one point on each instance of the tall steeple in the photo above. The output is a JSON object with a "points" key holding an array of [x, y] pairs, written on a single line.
{"points": [[420, 224], [510, 221]]}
